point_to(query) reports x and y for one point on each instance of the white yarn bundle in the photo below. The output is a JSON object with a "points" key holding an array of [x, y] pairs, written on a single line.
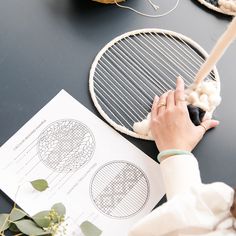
{"points": [[204, 95], [143, 127]]}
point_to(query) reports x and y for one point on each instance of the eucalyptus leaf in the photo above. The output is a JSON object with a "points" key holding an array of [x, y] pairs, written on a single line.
{"points": [[89, 229], [42, 219], [59, 208], [40, 184], [28, 227], [4, 223], [17, 214], [13, 228]]}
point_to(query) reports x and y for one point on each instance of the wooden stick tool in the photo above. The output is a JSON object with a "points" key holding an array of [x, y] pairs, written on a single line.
{"points": [[222, 44]]}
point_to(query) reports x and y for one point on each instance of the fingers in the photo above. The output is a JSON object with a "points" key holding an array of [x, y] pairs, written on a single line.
{"points": [[154, 107], [179, 84], [179, 92], [170, 100], [162, 103], [208, 124]]}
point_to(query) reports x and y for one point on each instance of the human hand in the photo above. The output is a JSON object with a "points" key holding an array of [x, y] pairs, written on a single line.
{"points": [[171, 125]]}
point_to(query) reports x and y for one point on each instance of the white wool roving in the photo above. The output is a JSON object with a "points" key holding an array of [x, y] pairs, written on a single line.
{"points": [[143, 127], [204, 95]]}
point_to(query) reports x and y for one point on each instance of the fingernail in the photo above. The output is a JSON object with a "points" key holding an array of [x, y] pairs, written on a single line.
{"points": [[214, 123]]}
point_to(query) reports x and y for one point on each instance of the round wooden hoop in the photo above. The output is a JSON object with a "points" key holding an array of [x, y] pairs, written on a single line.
{"points": [[110, 44]]}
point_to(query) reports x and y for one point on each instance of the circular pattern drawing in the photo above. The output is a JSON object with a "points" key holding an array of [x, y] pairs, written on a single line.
{"points": [[66, 145], [119, 189]]}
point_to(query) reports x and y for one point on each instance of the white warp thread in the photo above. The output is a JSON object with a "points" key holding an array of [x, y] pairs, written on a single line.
{"points": [[156, 7]]}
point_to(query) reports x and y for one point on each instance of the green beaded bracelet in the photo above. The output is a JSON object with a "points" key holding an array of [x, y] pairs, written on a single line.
{"points": [[172, 152]]}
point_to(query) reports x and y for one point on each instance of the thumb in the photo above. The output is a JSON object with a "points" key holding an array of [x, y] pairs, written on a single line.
{"points": [[209, 124]]}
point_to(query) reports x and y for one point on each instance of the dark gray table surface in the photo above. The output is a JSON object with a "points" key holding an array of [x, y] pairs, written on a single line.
{"points": [[49, 45]]}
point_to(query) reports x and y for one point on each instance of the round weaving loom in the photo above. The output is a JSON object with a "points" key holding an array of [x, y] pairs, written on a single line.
{"points": [[131, 69]]}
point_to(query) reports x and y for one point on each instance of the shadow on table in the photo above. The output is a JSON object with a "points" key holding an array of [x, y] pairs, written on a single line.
{"points": [[89, 19], [89, 12]]}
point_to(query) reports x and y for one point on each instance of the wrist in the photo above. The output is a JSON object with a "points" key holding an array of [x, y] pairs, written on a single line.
{"points": [[171, 152], [175, 146]]}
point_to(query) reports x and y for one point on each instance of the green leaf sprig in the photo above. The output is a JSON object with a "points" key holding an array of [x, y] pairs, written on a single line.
{"points": [[42, 223], [47, 222]]}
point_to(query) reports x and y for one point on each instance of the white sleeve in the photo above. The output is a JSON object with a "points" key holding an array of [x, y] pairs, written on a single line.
{"points": [[190, 209], [179, 172], [197, 211]]}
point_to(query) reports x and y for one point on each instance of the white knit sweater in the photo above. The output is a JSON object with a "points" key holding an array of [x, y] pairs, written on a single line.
{"points": [[193, 208]]}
